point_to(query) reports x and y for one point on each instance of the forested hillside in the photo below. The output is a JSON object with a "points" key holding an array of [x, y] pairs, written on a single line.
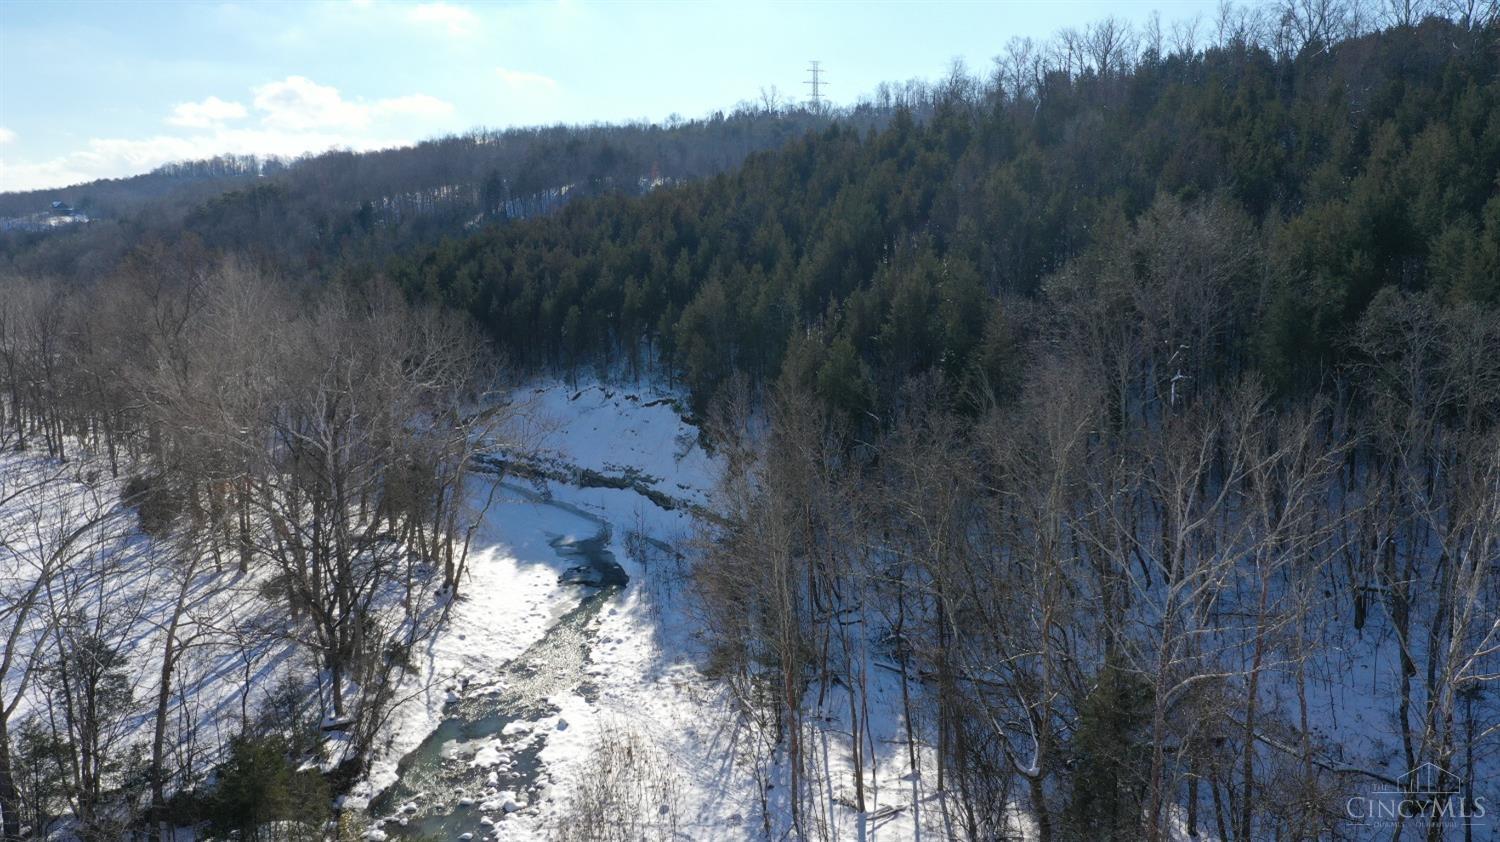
{"points": [[342, 211], [852, 260]]}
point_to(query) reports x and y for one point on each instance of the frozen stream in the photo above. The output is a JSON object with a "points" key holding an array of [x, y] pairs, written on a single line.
{"points": [[483, 759]]}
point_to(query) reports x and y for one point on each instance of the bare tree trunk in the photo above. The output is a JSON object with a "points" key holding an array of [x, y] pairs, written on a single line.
{"points": [[10, 806], [1252, 693], [170, 655]]}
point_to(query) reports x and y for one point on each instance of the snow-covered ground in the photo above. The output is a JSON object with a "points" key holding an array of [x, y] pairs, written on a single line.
{"points": [[130, 585], [643, 666], [510, 599], [643, 663]]}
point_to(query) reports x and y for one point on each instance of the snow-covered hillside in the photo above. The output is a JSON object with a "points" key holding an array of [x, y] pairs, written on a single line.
{"points": [[57, 516], [641, 659], [619, 466]]}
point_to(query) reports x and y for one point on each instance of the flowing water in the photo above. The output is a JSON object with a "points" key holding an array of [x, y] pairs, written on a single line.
{"points": [[486, 753]]}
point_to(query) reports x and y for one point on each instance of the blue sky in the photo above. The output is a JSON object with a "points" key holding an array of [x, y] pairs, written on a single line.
{"points": [[105, 89]]}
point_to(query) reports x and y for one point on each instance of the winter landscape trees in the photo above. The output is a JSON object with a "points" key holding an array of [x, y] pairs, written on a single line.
{"points": [[307, 449], [1122, 423], [1127, 623]]}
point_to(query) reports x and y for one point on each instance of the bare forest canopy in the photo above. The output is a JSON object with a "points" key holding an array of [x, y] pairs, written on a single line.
{"points": [[209, 455]]}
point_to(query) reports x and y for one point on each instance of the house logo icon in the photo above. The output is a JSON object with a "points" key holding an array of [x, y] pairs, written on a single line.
{"points": [[1427, 793], [1427, 779]]}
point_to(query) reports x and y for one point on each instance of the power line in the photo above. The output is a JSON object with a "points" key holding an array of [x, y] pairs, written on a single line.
{"points": [[815, 83]]}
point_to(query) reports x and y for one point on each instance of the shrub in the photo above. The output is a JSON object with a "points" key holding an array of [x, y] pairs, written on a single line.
{"points": [[1110, 757], [156, 502], [626, 792], [261, 796]]}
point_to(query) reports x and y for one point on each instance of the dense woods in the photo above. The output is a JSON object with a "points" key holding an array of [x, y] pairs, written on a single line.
{"points": [[856, 259], [1133, 404], [1126, 602], [1133, 414], [344, 213]]}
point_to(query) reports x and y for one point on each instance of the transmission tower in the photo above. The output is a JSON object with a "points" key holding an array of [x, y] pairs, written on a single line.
{"points": [[815, 84]]}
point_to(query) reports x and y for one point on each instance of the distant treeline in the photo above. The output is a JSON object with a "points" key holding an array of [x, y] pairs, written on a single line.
{"points": [[343, 211]]}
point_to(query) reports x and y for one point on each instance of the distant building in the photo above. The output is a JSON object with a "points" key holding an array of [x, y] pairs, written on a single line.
{"points": [[60, 215]]}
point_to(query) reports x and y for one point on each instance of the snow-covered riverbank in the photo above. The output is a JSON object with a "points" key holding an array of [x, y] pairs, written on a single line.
{"points": [[640, 670], [640, 666]]}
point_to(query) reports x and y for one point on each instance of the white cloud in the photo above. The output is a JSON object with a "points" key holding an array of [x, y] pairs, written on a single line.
{"points": [[414, 105], [300, 104], [209, 113], [296, 115], [6, 135], [457, 20], [117, 157], [521, 80]]}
